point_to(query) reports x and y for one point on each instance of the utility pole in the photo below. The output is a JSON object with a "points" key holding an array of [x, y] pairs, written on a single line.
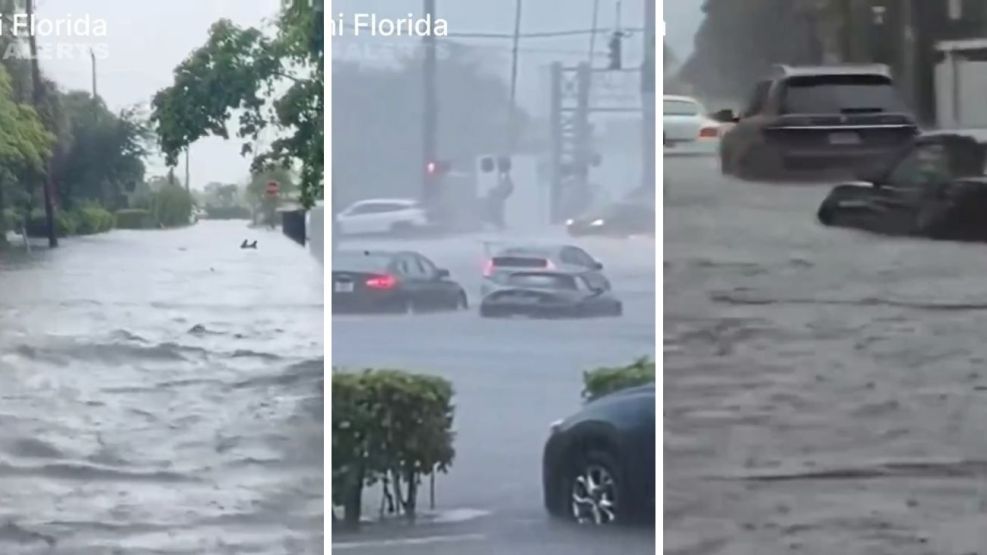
{"points": [[593, 29], [92, 56], [39, 98], [188, 183], [648, 99], [512, 121], [908, 42], [429, 117]]}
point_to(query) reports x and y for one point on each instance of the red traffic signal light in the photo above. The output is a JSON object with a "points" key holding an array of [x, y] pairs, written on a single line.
{"points": [[436, 167]]}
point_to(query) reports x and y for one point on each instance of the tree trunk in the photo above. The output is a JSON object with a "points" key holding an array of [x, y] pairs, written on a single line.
{"points": [[353, 499], [412, 497]]}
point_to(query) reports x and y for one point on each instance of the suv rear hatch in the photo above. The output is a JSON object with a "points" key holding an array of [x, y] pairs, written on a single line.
{"points": [[841, 115]]}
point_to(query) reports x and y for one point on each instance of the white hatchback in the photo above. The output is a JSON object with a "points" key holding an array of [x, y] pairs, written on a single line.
{"points": [[374, 216], [687, 129]]}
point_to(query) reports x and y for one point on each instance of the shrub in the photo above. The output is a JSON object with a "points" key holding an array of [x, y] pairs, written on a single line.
{"points": [[172, 206], [602, 381], [391, 427], [92, 218], [134, 218], [12, 221], [65, 224], [227, 213]]}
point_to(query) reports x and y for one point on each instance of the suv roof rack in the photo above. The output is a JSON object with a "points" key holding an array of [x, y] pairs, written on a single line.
{"points": [[786, 70]]}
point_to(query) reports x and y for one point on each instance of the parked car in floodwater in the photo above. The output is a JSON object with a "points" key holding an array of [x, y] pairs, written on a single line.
{"points": [[395, 282], [936, 188]]}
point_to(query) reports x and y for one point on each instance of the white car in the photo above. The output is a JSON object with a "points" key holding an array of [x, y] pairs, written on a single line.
{"points": [[687, 130], [381, 216]]}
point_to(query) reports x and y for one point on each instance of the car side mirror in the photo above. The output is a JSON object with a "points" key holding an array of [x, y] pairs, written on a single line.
{"points": [[597, 265], [442, 273], [725, 116]]}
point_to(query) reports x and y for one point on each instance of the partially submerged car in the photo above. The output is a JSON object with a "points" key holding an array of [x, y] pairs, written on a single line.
{"points": [[622, 219], [934, 188], [552, 294], [815, 122]]}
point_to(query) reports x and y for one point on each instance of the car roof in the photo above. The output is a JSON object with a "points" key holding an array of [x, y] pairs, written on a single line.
{"points": [[407, 201], [784, 70], [680, 98]]}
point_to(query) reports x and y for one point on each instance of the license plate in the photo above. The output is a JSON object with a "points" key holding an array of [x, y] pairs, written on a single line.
{"points": [[343, 287], [844, 139]]}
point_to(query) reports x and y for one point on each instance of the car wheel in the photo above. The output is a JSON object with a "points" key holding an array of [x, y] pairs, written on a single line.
{"points": [[594, 491]]}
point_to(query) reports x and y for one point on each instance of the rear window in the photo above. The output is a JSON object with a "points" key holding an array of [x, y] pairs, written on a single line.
{"points": [[358, 262], [520, 262], [680, 108], [543, 281], [841, 94]]}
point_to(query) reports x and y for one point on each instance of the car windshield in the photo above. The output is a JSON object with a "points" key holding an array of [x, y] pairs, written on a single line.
{"points": [[841, 94], [680, 108], [359, 262], [543, 281]]}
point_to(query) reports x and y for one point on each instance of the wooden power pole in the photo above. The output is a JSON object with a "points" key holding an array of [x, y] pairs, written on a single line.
{"points": [[39, 100]]}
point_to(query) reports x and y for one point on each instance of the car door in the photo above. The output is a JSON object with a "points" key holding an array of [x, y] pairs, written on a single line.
{"points": [[739, 138], [575, 256], [411, 280], [359, 218], [438, 292]]}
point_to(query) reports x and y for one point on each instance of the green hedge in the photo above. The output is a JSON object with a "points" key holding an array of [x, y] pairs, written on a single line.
{"points": [[602, 381], [91, 219], [172, 206], [11, 220], [227, 213], [65, 224], [390, 427], [134, 218]]}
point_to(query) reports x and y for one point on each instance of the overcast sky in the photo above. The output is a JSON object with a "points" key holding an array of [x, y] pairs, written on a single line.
{"points": [[147, 39]]}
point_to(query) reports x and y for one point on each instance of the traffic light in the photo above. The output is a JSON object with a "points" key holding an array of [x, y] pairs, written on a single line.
{"points": [[436, 168], [614, 54]]}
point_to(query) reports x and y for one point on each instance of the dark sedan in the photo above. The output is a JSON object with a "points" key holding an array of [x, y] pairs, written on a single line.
{"points": [[936, 188], [617, 220], [551, 294], [598, 466], [396, 282]]}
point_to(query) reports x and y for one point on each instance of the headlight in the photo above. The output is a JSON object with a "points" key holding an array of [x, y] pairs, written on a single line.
{"points": [[596, 223], [570, 221]]}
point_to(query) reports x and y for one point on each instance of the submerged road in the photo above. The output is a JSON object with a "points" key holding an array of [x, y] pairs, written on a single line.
{"points": [[825, 389], [160, 392], [512, 379]]}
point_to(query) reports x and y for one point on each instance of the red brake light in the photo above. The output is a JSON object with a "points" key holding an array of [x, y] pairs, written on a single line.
{"points": [[382, 282], [709, 133], [488, 267]]}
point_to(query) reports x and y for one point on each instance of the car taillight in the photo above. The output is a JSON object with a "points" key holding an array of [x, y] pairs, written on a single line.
{"points": [[488, 268], [381, 282], [709, 133]]}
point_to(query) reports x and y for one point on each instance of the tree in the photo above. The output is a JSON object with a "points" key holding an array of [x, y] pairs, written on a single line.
{"points": [[272, 82], [25, 145]]}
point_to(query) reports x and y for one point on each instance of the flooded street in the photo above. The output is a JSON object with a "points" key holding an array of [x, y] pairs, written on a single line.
{"points": [[824, 389], [512, 378], [160, 392]]}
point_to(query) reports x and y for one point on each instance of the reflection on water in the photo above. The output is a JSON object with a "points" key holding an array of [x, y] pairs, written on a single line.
{"points": [[161, 392]]}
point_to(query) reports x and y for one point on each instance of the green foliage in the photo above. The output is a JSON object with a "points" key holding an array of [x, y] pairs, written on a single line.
{"points": [[65, 224], [134, 218], [227, 213], [92, 218], [239, 70], [603, 381], [171, 206], [388, 426]]}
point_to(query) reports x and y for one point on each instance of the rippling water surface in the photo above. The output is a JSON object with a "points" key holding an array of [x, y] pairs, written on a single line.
{"points": [[160, 392], [825, 389]]}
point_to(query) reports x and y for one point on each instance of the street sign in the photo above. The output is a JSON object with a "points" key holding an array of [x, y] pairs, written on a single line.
{"points": [[272, 188]]}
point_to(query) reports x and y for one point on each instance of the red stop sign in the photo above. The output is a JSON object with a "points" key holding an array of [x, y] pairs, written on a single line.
{"points": [[272, 188]]}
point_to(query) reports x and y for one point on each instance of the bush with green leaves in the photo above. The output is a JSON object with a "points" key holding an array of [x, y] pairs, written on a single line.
{"points": [[65, 224], [388, 427], [171, 206], [92, 218], [603, 381], [134, 218]]}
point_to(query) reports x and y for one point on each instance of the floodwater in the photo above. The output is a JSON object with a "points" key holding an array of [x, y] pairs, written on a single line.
{"points": [[824, 389], [160, 392]]}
